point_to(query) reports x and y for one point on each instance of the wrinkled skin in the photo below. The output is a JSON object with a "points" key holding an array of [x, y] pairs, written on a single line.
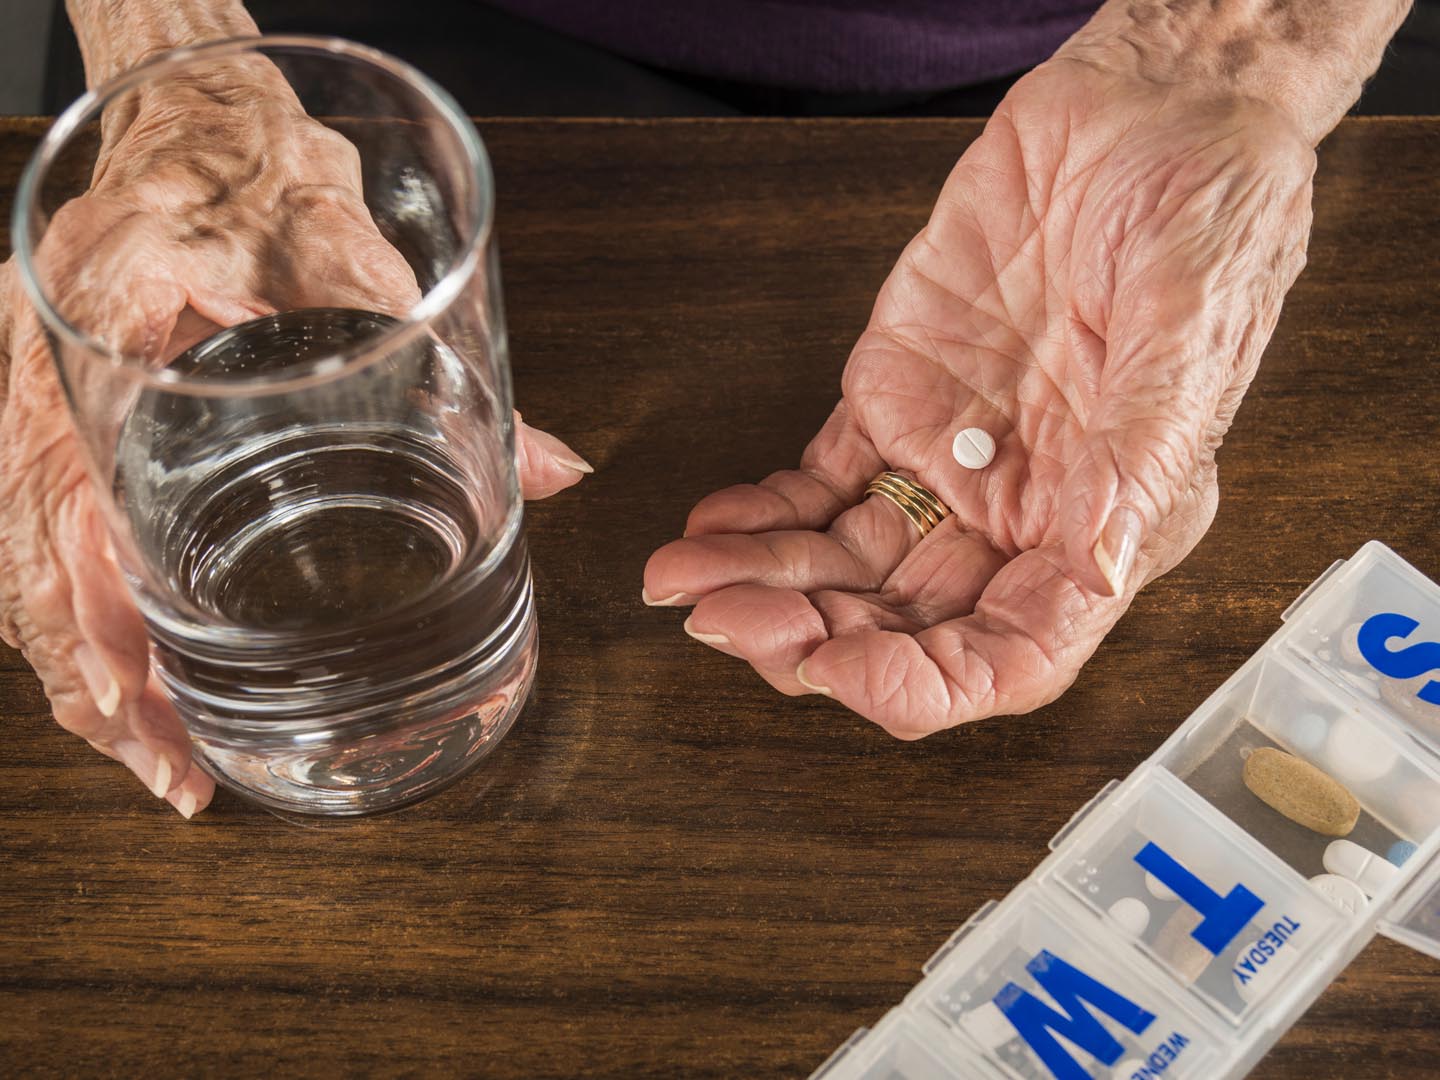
{"points": [[1095, 286], [211, 204]]}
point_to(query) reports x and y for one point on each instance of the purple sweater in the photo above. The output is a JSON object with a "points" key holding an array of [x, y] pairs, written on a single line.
{"points": [[866, 46]]}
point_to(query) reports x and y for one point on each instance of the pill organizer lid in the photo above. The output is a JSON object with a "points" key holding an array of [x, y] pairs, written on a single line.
{"points": [[1373, 582]]}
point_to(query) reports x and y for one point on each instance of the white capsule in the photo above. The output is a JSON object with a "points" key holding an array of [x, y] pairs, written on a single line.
{"points": [[974, 447], [1133, 915], [1356, 754], [1159, 889], [1368, 870], [1340, 891]]}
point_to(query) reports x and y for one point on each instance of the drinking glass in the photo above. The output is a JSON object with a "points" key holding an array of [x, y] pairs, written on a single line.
{"points": [[316, 508]]}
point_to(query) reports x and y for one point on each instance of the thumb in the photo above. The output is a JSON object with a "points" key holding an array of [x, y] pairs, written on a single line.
{"points": [[1148, 439]]}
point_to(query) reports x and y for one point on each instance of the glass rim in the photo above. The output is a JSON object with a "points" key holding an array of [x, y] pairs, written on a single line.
{"points": [[319, 369]]}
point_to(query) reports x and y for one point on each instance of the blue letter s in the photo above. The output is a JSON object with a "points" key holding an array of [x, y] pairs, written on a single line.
{"points": [[1403, 663]]}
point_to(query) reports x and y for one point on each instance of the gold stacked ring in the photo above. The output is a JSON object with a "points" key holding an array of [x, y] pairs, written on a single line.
{"points": [[917, 502]]}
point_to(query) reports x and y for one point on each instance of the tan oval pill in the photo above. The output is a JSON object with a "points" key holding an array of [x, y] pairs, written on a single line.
{"points": [[1301, 792], [1176, 947]]}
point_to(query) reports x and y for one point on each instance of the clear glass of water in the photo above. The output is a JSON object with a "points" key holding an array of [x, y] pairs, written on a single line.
{"points": [[316, 508]]}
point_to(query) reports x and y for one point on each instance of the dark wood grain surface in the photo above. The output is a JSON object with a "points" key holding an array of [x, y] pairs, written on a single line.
{"points": [[668, 869]]}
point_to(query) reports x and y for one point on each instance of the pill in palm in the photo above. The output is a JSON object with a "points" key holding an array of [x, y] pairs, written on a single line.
{"points": [[974, 448], [1300, 791], [1340, 891], [1132, 914], [1365, 868]]}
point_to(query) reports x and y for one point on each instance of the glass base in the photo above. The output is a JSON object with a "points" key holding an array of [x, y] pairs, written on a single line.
{"points": [[382, 771]]}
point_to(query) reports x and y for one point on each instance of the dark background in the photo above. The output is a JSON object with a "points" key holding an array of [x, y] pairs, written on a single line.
{"points": [[498, 65]]}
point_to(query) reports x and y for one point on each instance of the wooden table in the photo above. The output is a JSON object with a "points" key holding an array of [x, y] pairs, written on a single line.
{"points": [[668, 869]]}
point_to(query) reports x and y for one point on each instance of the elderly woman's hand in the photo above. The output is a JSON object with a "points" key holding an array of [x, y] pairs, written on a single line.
{"points": [[1094, 288], [196, 188]]}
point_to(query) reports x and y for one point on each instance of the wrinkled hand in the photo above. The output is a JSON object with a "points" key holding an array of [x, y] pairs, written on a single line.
{"points": [[175, 239], [1099, 277]]}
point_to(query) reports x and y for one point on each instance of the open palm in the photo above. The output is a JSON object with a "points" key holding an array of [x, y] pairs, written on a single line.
{"points": [[1095, 286]]}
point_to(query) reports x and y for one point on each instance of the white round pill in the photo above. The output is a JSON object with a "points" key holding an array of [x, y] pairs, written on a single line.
{"points": [[1132, 914], [1342, 892], [988, 1026], [1305, 732], [974, 448], [1350, 644], [1357, 754], [1159, 889]]}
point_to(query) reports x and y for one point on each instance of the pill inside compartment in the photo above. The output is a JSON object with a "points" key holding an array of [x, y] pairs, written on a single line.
{"points": [[1278, 705], [1265, 925], [1027, 944]]}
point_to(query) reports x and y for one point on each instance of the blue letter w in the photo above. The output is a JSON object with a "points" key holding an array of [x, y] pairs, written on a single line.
{"points": [[1223, 916], [1070, 988]]}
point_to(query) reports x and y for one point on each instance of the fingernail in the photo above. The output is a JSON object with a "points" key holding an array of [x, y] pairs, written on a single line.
{"points": [[152, 769], [576, 462], [813, 687], [669, 601], [708, 639], [185, 805], [98, 680], [1117, 547]]}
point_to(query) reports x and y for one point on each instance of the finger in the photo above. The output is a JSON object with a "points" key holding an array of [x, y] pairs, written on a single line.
{"points": [[805, 561], [158, 724], [772, 629], [1027, 638], [546, 465], [715, 625], [106, 619], [148, 738], [775, 629], [861, 548], [833, 472], [193, 794]]}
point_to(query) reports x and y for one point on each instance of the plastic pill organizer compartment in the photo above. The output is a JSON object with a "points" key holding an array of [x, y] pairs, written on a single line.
{"points": [[1189, 914]]}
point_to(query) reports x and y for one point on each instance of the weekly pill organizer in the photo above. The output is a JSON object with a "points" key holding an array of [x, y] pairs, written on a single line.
{"points": [[1181, 922]]}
